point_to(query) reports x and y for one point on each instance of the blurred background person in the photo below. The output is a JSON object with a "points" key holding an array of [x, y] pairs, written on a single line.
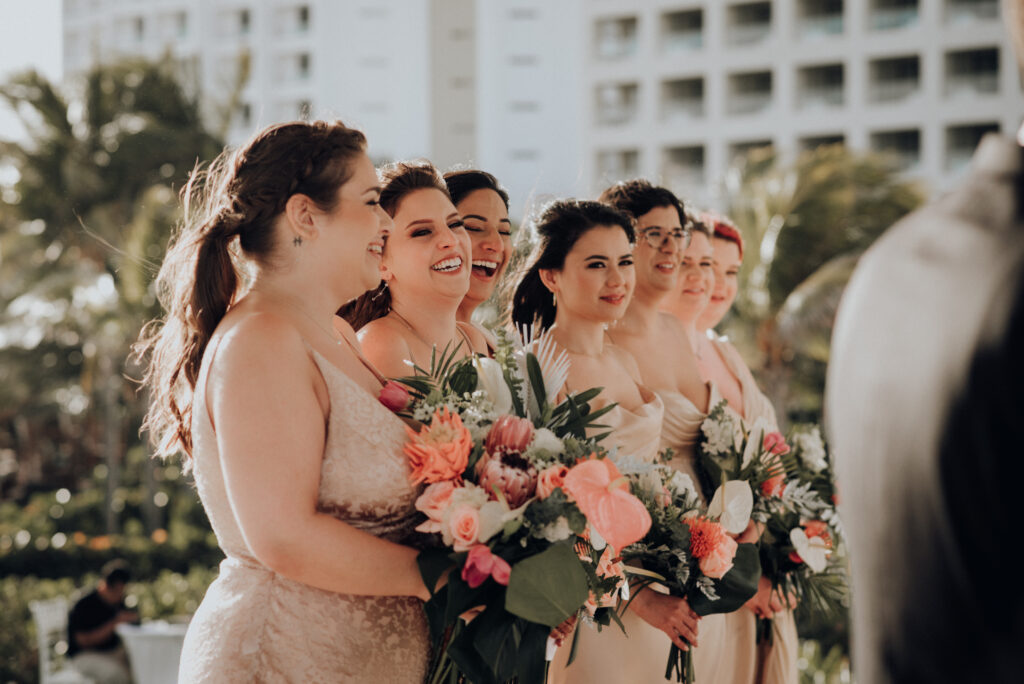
{"points": [[94, 646]]}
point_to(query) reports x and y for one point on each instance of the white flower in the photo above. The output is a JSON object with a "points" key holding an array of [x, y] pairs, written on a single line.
{"points": [[719, 435], [755, 440], [651, 482], [494, 515], [732, 504], [683, 483], [546, 440], [812, 550], [554, 532], [490, 378], [469, 493], [811, 449]]}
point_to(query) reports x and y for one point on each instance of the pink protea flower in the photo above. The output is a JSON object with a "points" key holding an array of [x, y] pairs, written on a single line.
{"points": [[510, 434], [481, 564], [508, 473], [394, 396]]}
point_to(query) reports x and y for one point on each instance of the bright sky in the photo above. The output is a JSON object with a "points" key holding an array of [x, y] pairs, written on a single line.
{"points": [[30, 38]]}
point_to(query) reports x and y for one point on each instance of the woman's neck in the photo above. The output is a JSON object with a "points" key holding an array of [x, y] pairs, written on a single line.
{"points": [[464, 314], [578, 335], [643, 311], [431, 319]]}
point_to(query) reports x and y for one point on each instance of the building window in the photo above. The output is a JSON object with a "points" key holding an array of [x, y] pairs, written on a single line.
{"points": [[682, 30], [888, 15], [903, 146], [461, 82], [304, 109], [302, 67], [819, 18], [683, 167], [739, 151], [244, 21], [750, 92], [682, 98], [181, 24], [972, 72], [820, 86], [813, 142], [894, 78], [970, 11], [748, 23], [616, 103], [523, 14], [616, 165], [302, 18], [961, 141], [245, 114], [139, 28], [615, 38]]}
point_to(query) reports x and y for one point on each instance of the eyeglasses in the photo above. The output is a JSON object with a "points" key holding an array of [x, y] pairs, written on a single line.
{"points": [[656, 237]]}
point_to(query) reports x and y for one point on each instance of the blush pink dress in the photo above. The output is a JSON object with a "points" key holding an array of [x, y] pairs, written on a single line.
{"points": [[257, 626]]}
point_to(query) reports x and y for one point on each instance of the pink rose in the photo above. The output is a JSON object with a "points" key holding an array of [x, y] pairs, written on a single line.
{"points": [[433, 502], [481, 564], [719, 560], [394, 396], [550, 479], [464, 526], [775, 443]]}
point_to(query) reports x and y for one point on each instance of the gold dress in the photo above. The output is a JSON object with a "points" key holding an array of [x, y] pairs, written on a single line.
{"points": [[257, 626], [773, 663]]}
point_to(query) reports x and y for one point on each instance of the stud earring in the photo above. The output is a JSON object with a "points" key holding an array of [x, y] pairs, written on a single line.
{"points": [[297, 241]]}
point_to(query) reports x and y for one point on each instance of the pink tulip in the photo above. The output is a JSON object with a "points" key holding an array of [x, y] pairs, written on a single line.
{"points": [[510, 434], [394, 396], [510, 474], [481, 564]]}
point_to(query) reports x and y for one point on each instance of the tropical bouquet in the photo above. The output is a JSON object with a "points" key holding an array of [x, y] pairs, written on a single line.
{"points": [[515, 492], [689, 551], [802, 531]]}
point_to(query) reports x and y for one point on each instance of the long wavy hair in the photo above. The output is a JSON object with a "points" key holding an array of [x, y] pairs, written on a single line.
{"points": [[399, 180], [230, 209], [560, 226]]}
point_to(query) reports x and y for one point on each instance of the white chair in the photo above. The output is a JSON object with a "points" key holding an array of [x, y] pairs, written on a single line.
{"points": [[51, 618]]}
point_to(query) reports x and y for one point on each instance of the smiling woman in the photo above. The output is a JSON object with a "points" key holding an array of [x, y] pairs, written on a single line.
{"points": [[425, 274]]}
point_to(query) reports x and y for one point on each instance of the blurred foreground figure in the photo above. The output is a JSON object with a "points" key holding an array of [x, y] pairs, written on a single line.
{"points": [[925, 410]]}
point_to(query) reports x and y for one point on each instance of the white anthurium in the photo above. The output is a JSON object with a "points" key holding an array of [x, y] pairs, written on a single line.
{"points": [[491, 379], [755, 438], [732, 504], [596, 540], [812, 550], [494, 515]]}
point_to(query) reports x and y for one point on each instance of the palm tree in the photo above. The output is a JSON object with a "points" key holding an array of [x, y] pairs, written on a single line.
{"points": [[94, 202], [805, 225]]}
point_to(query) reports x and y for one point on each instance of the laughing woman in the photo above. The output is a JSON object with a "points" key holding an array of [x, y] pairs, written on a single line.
{"points": [[483, 205], [426, 275], [297, 464]]}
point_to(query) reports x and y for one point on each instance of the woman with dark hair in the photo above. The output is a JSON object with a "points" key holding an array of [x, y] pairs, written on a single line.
{"points": [[426, 272], [773, 661], [579, 281], [298, 465], [483, 205]]}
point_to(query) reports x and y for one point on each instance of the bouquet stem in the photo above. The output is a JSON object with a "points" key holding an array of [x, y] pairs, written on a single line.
{"points": [[443, 670], [680, 665], [765, 629]]}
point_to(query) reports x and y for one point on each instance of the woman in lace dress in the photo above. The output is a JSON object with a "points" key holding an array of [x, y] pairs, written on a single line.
{"points": [[426, 272], [298, 466], [580, 280], [483, 205], [720, 363]]}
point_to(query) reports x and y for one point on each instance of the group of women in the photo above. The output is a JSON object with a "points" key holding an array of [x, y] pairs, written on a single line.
{"points": [[301, 279]]}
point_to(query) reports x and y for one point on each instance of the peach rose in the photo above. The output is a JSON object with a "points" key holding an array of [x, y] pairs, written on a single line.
{"points": [[711, 546], [433, 502], [719, 561], [439, 451], [463, 527], [550, 479]]}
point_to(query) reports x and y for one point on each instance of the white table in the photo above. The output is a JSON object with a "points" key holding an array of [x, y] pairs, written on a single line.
{"points": [[154, 649]]}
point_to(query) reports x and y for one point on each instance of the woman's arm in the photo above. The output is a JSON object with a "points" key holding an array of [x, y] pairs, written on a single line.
{"points": [[384, 345], [263, 393]]}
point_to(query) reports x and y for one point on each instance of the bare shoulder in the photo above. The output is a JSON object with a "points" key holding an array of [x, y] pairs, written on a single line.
{"points": [[626, 360], [477, 339], [259, 336], [384, 344]]}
